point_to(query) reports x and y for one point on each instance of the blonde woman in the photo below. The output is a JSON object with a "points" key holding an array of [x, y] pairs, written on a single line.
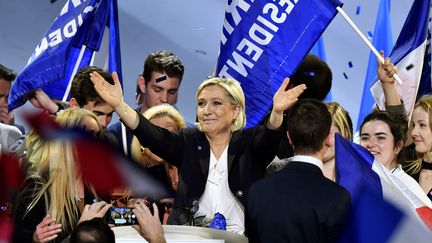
{"points": [[217, 161], [342, 124], [165, 116], [52, 201]]}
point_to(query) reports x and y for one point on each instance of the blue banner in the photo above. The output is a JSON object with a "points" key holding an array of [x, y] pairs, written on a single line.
{"points": [[264, 41], [50, 67]]}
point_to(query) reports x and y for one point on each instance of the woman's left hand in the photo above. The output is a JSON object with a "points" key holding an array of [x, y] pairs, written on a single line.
{"points": [[283, 99]]}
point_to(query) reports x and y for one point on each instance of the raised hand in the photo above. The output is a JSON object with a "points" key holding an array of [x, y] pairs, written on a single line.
{"points": [[112, 94], [46, 230], [386, 71], [283, 99]]}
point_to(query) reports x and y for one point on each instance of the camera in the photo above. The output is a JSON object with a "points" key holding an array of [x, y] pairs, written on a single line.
{"points": [[121, 216]]}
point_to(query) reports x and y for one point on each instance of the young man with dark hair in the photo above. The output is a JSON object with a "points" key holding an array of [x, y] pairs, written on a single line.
{"points": [[299, 204], [159, 84], [83, 94], [92, 231]]}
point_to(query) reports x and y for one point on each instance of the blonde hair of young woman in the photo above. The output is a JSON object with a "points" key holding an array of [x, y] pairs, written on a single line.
{"points": [[341, 119], [56, 173], [414, 166], [163, 110]]}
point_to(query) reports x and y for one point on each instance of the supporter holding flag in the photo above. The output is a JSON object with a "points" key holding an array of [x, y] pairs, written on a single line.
{"points": [[412, 57], [383, 134], [69, 44], [264, 41]]}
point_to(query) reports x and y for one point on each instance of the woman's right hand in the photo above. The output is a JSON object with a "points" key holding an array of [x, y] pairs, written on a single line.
{"points": [[46, 230], [112, 94]]}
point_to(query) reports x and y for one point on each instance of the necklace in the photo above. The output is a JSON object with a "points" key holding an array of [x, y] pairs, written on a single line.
{"points": [[426, 165]]}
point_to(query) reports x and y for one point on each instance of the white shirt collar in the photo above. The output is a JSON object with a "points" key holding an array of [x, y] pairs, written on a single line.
{"points": [[307, 159]]}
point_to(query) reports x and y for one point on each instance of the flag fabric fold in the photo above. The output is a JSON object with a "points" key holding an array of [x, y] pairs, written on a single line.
{"points": [[412, 56], [356, 168], [68, 45], [264, 41]]}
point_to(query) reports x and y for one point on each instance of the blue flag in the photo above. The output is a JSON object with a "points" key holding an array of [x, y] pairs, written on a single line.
{"points": [[354, 167], [412, 56], [381, 40], [263, 42], [68, 45]]}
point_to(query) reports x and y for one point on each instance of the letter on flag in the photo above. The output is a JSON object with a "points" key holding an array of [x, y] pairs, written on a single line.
{"points": [[412, 56], [264, 41], [68, 45]]}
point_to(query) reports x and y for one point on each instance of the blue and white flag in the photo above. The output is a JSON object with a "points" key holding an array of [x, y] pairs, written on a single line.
{"points": [[356, 169], [382, 40], [68, 45], [412, 56], [263, 42]]}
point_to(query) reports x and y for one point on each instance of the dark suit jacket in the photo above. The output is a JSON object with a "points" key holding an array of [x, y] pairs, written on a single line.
{"points": [[297, 204], [249, 152]]}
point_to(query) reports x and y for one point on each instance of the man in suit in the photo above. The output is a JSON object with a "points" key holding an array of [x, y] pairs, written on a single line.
{"points": [[298, 204]]}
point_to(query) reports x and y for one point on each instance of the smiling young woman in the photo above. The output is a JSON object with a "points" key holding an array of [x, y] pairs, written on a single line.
{"points": [[421, 133]]}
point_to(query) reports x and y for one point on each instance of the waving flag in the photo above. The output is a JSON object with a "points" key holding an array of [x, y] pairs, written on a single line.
{"points": [[264, 41], [381, 40], [68, 45], [374, 220], [105, 168], [357, 168], [412, 56]]}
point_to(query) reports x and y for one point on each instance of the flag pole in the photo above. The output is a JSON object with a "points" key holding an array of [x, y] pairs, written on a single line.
{"points": [[363, 37], [74, 71]]}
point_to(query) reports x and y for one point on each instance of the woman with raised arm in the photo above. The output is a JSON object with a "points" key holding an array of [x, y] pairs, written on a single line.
{"points": [[217, 161]]}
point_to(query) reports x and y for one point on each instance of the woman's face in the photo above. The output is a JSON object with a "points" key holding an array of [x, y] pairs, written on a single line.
{"points": [[421, 132], [330, 153], [376, 137], [215, 111]]}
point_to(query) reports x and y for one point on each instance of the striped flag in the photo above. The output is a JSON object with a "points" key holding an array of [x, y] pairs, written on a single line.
{"points": [[412, 56], [357, 168]]}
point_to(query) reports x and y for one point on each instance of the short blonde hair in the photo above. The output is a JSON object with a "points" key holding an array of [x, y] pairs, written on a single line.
{"points": [[163, 110], [341, 119], [235, 92]]}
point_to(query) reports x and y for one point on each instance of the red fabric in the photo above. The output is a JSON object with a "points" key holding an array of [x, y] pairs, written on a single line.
{"points": [[425, 214]]}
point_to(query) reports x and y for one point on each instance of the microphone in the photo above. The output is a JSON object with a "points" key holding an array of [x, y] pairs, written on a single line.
{"points": [[193, 210]]}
